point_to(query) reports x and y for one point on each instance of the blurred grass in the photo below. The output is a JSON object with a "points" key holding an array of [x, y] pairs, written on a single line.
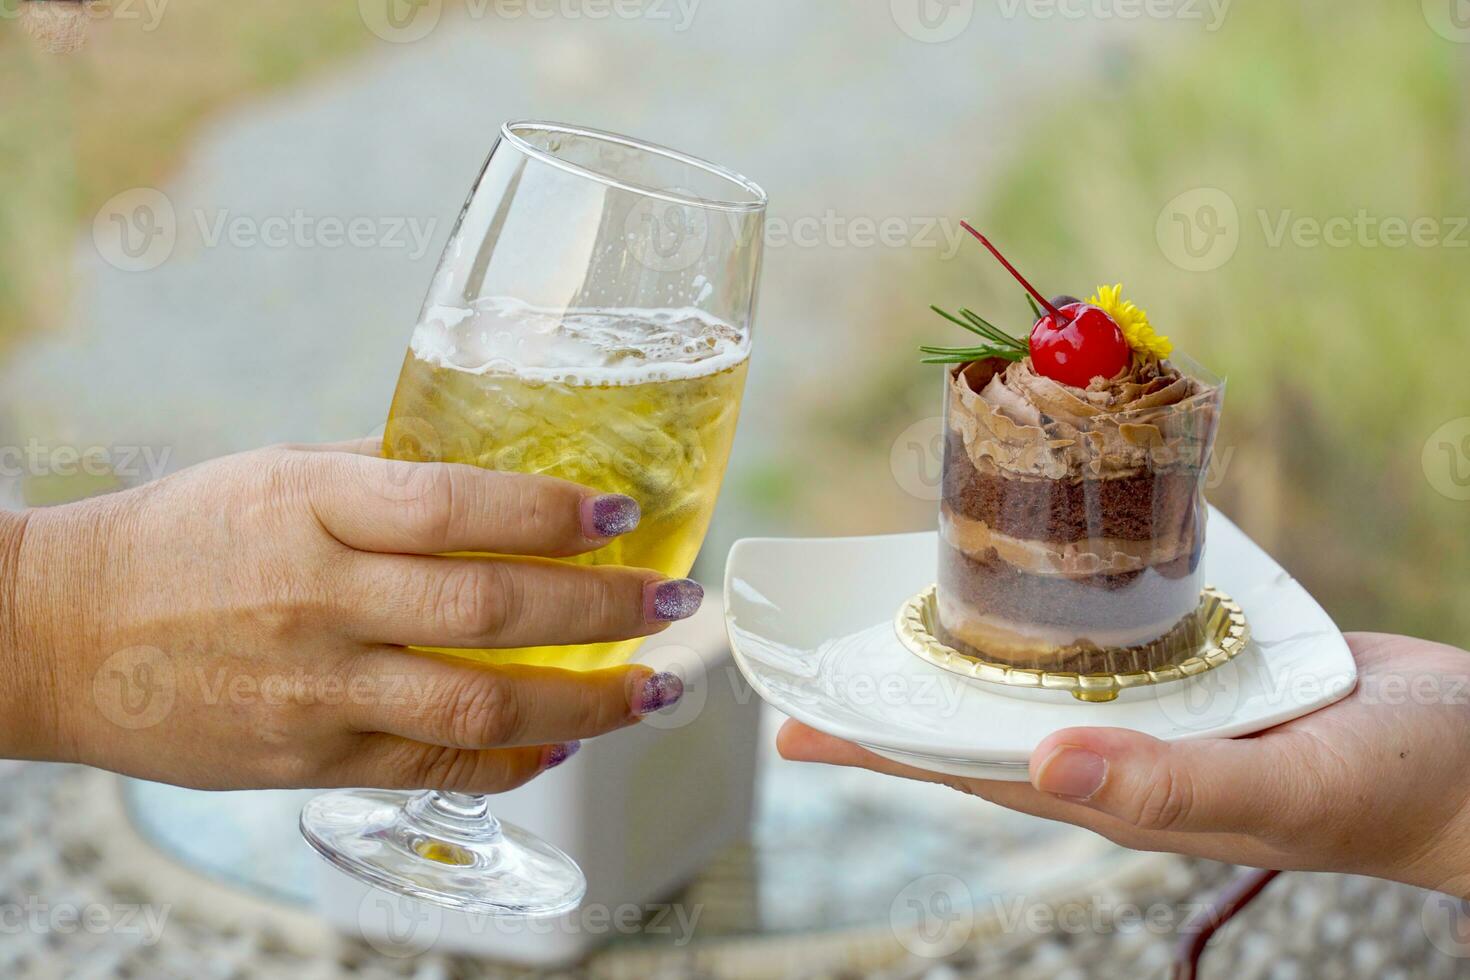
{"points": [[77, 129], [1341, 361]]}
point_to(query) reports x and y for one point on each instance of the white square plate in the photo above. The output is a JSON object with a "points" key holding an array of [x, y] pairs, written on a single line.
{"points": [[811, 624]]}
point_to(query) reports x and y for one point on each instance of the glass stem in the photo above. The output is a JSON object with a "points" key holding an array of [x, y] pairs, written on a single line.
{"points": [[464, 816]]}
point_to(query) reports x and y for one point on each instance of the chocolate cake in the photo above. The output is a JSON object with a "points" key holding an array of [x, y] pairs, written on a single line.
{"points": [[1072, 521]]}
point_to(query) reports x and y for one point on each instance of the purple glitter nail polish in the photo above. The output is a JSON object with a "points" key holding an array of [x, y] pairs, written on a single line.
{"points": [[609, 515], [674, 599], [561, 753], [659, 691]]}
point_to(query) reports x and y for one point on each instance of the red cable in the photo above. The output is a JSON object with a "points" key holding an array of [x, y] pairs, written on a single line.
{"points": [[1234, 898]]}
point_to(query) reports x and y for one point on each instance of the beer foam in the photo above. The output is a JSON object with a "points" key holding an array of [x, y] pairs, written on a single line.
{"points": [[581, 346]]}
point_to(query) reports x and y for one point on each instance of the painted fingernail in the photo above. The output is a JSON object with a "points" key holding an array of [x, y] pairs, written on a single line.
{"points": [[657, 692], [1072, 772], [609, 515], [672, 599], [558, 754]]}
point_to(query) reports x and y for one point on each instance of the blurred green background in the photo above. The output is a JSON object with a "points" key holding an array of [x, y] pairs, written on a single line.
{"points": [[1343, 360], [1282, 187]]}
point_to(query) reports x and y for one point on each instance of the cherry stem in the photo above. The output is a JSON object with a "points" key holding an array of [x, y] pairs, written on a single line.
{"points": [[1061, 317]]}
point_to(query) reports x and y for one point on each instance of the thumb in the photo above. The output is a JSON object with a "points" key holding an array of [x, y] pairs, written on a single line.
{"points": [[1241, 786]]}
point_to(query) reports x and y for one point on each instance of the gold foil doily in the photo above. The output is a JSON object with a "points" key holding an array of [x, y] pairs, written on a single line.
{"points": [[1221, 619]]}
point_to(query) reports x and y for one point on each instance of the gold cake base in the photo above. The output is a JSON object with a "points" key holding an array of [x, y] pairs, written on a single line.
{"points": [[1221, 619]]}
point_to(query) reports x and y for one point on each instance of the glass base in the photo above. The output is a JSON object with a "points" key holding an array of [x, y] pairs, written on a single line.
{"points": [[443, 848]]}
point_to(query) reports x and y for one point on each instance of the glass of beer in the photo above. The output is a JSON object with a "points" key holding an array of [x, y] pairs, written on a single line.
{"points": [[590, 320]]}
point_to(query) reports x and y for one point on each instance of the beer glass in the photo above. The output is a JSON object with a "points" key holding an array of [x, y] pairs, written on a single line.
{"points": [[590, 320]]}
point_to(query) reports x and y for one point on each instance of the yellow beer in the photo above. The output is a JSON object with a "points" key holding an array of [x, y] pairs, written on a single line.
{"points": [[646, 410]]}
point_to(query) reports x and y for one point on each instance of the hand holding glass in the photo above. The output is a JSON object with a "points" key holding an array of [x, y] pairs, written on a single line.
{"points": [[590, 320]]}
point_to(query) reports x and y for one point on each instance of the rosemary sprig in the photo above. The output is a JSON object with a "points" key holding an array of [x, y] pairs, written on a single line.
{"points": [[998, 343], [977, 324], [954, 319], [1036, 310], [950, 359], [994, 333], [958, 355], [980, 350]]}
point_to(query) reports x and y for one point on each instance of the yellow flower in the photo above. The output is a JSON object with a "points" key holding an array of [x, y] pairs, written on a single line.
{"points": [[1132, 321]]}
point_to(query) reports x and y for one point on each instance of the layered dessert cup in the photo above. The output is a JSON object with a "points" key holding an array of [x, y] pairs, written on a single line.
{"points": [[1072, 523], [1073, 519]]}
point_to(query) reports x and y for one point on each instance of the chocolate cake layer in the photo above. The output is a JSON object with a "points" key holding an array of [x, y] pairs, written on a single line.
{"points": [[992, 587], [1136, 507]]}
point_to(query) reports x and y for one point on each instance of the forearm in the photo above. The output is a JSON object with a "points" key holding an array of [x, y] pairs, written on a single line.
{"points": [[28, 697]]}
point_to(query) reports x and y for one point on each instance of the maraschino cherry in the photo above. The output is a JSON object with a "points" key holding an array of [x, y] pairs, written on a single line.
{"points": [[1071, 343], [1087, 345]]}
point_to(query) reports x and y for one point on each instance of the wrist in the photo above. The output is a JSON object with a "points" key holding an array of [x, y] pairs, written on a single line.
{"points": [[1444, 865], [63, 565]]}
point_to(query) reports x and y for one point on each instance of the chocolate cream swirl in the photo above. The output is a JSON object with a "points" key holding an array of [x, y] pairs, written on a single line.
{"points": [[1148, 416]]}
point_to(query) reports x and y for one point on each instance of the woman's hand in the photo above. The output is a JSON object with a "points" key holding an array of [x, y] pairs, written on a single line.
{"points": [[244, 623], [1376, 784]]}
